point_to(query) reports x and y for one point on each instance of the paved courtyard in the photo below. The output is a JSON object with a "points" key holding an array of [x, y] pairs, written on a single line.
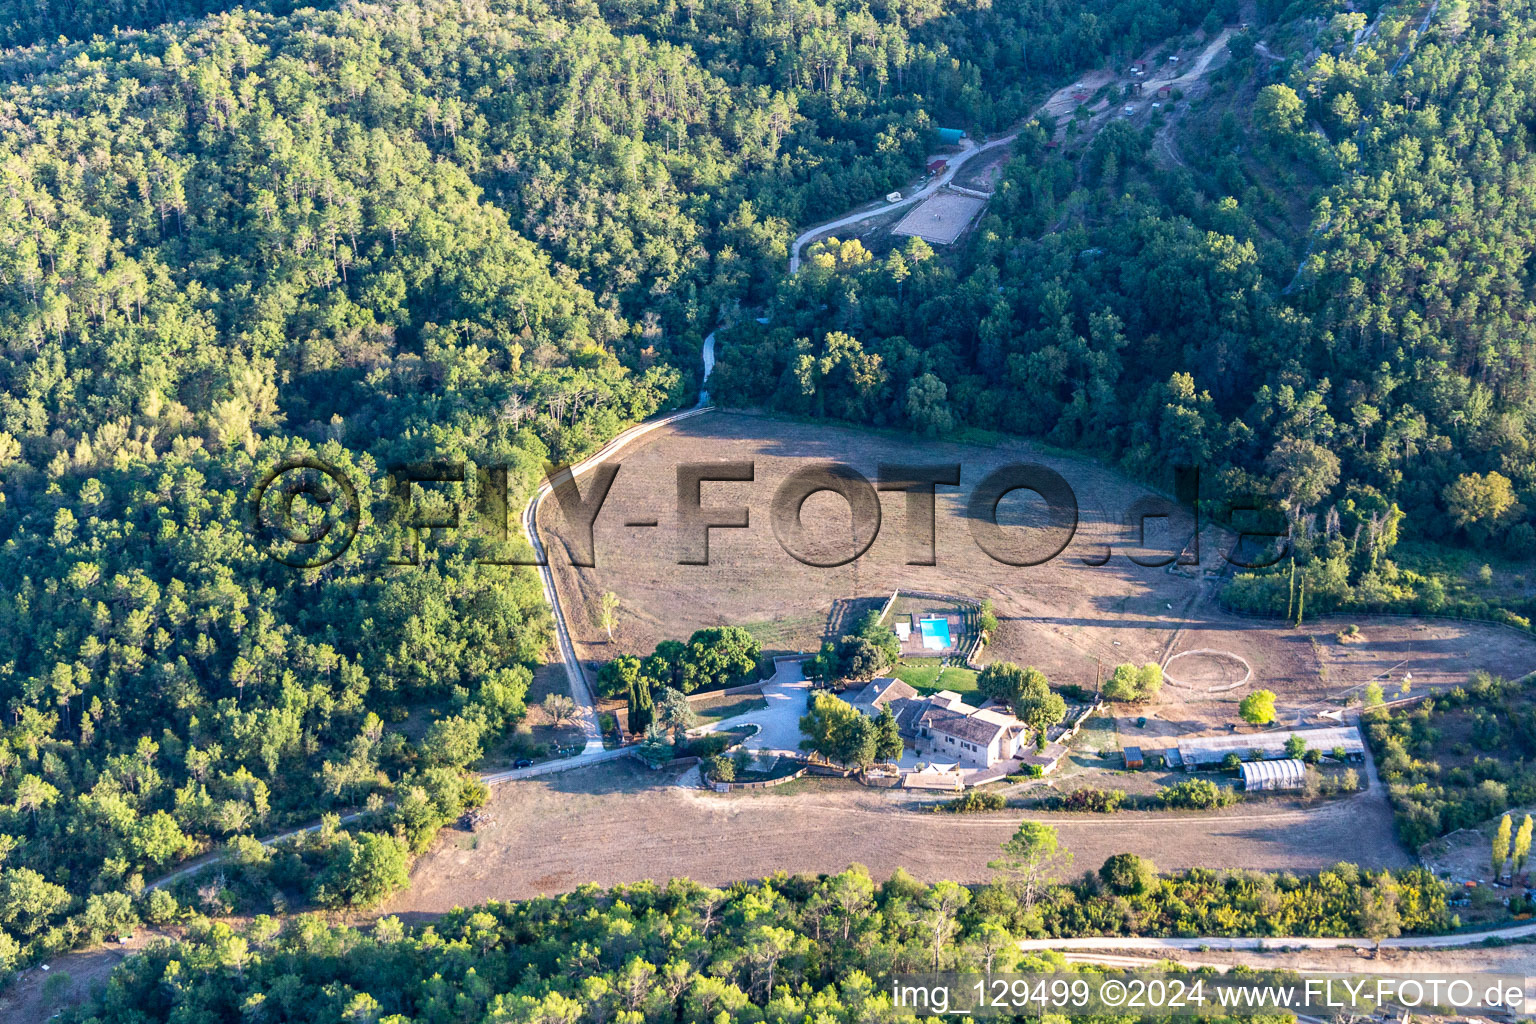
{"points": [[788, 695]]}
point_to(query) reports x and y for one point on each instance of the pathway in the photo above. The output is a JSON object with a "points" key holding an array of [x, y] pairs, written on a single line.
{"points": [[565, 650], [1197, 70], [1218, 942]]}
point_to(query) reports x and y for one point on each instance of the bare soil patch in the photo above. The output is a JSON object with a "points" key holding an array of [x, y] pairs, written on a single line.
{"points": [[940, 218], [983, 173], [31, 997], [1207, 670]]}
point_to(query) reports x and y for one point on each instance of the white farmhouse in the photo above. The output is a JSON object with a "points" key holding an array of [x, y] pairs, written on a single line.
{"points": [[942, 727]]}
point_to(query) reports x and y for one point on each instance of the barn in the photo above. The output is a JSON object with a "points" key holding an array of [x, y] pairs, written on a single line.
{"points": [[1273, 775]]}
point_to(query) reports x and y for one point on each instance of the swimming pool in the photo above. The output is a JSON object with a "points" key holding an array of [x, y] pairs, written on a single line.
{"points": [[935, 633]]}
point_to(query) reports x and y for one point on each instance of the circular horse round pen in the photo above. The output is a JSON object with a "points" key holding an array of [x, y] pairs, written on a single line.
{"points": [[1209, 670]]}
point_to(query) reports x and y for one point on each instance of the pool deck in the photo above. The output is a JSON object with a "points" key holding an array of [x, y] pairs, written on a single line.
{"points": [[912, 647]]}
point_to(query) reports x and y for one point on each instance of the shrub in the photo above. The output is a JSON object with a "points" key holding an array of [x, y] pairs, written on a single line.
{"points": [[1128, 874], [705, 746], [986, 620], [1198, 794], [159, 907], [1128, 683], [1258, 708], [1097, 801], [363, 870], [973, 801], [721, 769]]}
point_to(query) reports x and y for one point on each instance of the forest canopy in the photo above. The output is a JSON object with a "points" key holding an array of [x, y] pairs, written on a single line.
{"points": [[375, 235], [787, 950]]}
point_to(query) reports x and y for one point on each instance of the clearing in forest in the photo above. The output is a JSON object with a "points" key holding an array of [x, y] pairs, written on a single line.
{"points": [[941, 218], [1073, 619]]}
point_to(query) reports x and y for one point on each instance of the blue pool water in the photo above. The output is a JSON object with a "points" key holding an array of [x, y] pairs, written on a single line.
{"points": [[935, 629]]}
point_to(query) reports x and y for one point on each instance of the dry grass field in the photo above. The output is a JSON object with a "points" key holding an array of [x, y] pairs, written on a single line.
{"points": [[620, 823], [750, 578], [1074, 621]]}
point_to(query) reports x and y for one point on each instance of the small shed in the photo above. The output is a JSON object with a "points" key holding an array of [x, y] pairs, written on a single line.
{"points": [[1263, 775], [1165, 91], [1133, 758], [949, 136], [938, 166]]}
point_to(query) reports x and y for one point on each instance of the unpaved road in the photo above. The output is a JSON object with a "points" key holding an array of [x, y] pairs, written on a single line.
{"points": [[1219, 942], [969, 150], [564, 652], [1059, 104], [25, 1001], [1511, 959]]}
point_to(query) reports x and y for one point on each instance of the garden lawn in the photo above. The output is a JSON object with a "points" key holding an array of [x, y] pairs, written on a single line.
{"points": [[718, 709], [926, 676]]}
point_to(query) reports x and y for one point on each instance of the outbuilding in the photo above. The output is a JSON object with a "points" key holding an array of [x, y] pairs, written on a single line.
{"points": [[938, 166], [1133, 758], [1267, 775], [1197, 752]]}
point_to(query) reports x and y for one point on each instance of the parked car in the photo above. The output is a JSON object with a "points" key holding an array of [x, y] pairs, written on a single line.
{"points": [[523, 762]]}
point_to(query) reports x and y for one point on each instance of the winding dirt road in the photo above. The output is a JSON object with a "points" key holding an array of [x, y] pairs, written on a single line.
{"points": [[565, 651]]}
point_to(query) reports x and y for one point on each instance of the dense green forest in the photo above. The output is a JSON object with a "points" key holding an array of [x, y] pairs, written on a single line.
{"points": [[496, 233], [1116, 300], [382, 234], [785, 951]]}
